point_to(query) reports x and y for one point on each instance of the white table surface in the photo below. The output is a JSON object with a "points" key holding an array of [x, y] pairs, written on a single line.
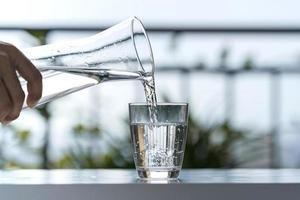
{"points": [[123, 184]]}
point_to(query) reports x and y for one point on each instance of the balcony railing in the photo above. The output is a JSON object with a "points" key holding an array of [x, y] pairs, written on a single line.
{"points": [[274, 71]]}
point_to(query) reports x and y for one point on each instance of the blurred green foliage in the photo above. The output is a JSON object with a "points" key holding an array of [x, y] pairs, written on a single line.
{"points": [[211, 147], [41, 35], [207, 147], [248, 63]]}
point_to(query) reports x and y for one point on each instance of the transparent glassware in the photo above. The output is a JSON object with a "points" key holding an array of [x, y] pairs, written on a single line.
{"points": [[158, 147], [122, 52]]}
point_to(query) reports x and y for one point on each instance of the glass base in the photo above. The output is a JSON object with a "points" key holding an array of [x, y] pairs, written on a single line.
{"points": [[158, 174]]}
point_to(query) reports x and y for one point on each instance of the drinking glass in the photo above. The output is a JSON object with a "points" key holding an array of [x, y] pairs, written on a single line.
{"points": [[158, 144]]}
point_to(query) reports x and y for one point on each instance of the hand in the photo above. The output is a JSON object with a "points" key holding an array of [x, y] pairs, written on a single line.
{"points": [[11, 94]]}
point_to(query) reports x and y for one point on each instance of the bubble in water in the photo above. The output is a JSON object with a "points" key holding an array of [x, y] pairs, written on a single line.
{"points": [[159, 148]]}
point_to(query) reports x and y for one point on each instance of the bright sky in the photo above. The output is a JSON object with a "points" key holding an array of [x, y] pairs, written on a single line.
{"points": [[166, 12]]}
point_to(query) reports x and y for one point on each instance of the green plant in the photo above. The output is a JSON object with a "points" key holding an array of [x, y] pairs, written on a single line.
{"points": [[211, 147]]}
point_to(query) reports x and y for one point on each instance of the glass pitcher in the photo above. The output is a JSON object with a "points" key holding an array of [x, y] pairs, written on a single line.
{"points": [[122, 52]]}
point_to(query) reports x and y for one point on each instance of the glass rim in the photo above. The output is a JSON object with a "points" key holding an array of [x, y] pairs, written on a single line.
{"points": [[160, 104]]}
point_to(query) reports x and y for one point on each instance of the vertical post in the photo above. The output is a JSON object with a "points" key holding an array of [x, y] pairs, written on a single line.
{"points": [[185, 84], [275, 113], [229, 95]]}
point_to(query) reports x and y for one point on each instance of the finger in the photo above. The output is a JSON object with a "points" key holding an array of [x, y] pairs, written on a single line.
{"points": [[30, 73], [13, 87], [5, 104]]}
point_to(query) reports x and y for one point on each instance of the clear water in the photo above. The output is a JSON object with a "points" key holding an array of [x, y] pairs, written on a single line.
{"points": [[150, 94], [159, 149], [60, 81]]}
